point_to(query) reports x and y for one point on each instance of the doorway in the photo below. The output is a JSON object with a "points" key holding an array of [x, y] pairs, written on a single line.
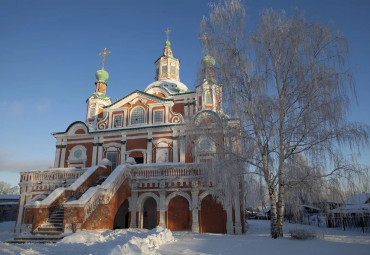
{"points": [[112, 157], [122, 216], [150, 213]]}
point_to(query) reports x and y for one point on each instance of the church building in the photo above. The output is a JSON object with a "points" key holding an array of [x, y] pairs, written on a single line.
{"points": [[127, 165]]}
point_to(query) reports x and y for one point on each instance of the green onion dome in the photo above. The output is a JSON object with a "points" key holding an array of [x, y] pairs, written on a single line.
{"points": [[102, 75], [208, 61], [168, 44]]}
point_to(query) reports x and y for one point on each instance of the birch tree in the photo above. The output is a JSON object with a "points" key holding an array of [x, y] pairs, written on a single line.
{"points": [[287, 82]]}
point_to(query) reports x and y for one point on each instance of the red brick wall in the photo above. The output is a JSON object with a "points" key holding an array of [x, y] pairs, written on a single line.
{"points": [[212, 216], [179, 214], [103, 216]]}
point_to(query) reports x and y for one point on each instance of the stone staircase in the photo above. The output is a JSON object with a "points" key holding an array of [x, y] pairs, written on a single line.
{"points": [[49, 232], [100, 180]]}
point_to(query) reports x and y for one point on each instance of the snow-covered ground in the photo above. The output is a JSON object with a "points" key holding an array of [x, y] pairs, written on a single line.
{"points": [[161, 241]]}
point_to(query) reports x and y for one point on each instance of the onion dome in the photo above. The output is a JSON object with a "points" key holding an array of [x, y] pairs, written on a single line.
{"points": [[168, 44], [208, 61], [102, 75]]}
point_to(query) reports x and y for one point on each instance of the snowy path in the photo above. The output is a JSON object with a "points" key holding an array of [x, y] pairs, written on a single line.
{"points": [[159, 241], [257, 241]]}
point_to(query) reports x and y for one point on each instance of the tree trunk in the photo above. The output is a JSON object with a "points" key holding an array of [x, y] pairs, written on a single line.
{"points": [[274, 230], [280, 209]]}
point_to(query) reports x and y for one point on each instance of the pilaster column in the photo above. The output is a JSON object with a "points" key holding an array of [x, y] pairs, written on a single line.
{"points": [[195, 207], [186, 109], [166, 113], [63, 155], [133, 208], [229, 216], [175, 149], [162, 207], [191, 109], [123, 149], [20, 212], [110, 120], [57, 153], [238, 225], [149, 151], [95, 145], [182, 151], [150, 121], [100, 149]]}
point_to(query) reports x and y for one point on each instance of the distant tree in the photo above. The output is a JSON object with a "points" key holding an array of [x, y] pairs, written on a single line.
{"points": [[6, 188], [287, 84]]}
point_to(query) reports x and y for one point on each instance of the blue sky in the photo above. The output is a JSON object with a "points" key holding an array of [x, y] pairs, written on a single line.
{"points": [[49, 56]]}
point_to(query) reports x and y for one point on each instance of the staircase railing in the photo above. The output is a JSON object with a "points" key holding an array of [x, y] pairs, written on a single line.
{"points": [[37, 212], [101, 194]]}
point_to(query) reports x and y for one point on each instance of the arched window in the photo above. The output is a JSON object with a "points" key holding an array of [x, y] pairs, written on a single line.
{"points": [[208, 98], [137, 116]]}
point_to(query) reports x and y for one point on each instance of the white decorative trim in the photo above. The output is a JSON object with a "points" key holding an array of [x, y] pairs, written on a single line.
{"points": [[80, 160], [116, 145], [140, 204], [76, 127], [162, 140], [178, 193]]}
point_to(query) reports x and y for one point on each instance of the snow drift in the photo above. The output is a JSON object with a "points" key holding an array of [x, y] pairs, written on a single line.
{"points": [[134, 241]]}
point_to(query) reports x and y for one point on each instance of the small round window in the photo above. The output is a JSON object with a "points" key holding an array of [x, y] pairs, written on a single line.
{"points": [[77, 153]]}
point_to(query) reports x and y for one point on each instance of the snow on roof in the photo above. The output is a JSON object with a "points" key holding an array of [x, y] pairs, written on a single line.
{"points": [[357, 199], [9, 203], [9, 196], [172, 86], [359, 208]]}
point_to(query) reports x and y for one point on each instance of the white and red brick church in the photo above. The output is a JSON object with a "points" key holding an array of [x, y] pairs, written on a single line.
{"points": [[127, 165]]}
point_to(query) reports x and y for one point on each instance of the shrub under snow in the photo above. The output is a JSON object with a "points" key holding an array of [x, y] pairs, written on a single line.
{"points": [[302, 234]]}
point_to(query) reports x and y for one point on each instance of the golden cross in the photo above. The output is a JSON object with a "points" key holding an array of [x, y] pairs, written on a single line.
{"points": [[205, 38], [104, 54], [168, 34]]}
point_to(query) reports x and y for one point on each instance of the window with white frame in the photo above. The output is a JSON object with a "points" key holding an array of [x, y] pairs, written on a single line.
{"points": [[117, 121], [208, 98], [137, 116], [158, 116]]}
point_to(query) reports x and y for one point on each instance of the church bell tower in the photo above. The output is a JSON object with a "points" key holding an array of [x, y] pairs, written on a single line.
{"points": [[167, 67]]}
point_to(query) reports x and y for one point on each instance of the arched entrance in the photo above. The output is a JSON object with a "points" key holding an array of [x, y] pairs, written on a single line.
{"points": [[150, 213], [212, 216], [138, 156], [122, 216], [178, 214]]}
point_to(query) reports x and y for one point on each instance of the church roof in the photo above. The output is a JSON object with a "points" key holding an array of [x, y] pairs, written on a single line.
{"points": [[172, 86], [143, 93]]}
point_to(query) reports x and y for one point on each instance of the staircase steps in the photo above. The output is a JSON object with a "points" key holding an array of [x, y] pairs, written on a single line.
{"points": [[100, 180], [49, 232]]}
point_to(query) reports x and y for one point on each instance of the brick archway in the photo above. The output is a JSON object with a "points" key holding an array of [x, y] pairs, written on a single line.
{"points": [[178, 214], [212, 216], [121, 219], [150, 213]]}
